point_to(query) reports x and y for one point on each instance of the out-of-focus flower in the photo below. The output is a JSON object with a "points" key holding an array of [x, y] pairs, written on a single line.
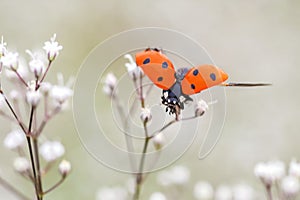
{"points": [[14, 95], [2, 47], [33, 97], [130, 185], [10, 60], [201, 108], [270, 172], [109, 84], [52, 48], [14, 139], [290, 186], [223, 193], [146, 115], [22, 71], [133, 70], [113, 193], [294, 168], [157, 196], [159, 141], [21, 164], [203, 191], [36, 65], [64, 167], [2, 102], [51, 150], [61, 93], [45, 88], [178, 175], [243, 192]]}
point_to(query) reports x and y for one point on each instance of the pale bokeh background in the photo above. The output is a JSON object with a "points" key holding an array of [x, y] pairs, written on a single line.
{"points": [[253, 41]]}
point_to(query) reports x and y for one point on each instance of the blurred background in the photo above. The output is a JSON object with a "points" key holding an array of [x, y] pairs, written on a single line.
{"points": [[255, 41]]}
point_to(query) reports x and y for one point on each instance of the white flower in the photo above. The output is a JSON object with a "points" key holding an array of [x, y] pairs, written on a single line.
{"points": [[2, 102], [157, 196], [290, 186], [51, 150], [2, 47], [45, 88], [22, 71], [133, 70], [294, 168], [14, 95], [158, 141], [36, 65], [21, 164], [178, 175], [33, 97], [146, 114], [270, 172], [14, 139], [64, 167], [52, 48], [243, 192], [203, 191], [62, 92], [10, 60], [130, 185], [114, 193], [223, 193], [201, 108], [109, 84]]}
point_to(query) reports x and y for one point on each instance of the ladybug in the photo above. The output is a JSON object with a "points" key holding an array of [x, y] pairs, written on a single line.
{"points": [[178, 85]]}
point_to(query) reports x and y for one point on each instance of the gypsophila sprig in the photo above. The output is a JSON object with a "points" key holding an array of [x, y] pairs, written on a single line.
{"points": [[21, 106], [52, 48]]}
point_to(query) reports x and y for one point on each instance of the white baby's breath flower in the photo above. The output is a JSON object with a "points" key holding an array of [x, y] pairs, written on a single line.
{"points": [[223, 193], [243, 192], [109, 84], [2, 47], [14, 95], [146, 114], [45, 88], [52, 48], [201, 108], [133, 70], [113, 193], [270, 172], [290, 186], [21, 164], [157, 196], [10, 61], [51, 150], [159, 141], [36, 65], [64, 167], [14, 139], [22, 71], [178, 175], [203, 190], [294, 168], [62, 92], [33, 97]]}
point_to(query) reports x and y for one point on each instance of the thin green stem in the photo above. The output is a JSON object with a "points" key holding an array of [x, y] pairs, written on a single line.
{"points": [[38, 168], [56, 185], [44, 75]]}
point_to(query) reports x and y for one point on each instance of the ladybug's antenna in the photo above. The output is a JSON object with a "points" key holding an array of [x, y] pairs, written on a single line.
{"points": [[245, 84]]}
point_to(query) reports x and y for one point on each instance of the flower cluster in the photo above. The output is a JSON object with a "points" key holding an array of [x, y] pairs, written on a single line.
{"points": [[273, 174], [21, 105]]}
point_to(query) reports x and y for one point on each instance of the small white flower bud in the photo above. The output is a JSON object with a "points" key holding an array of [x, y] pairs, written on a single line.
{"points": [[133, 70], [270, 172], [51, 150], [21, 164], [64, 167], [52, 48], [203, 191], [146, 115], [109, 84], [157, 196], [14, 139], [33, 97], [158, 141], [290, 186], [201, 108], [14, 95], [36, 65], [45, 88], [223, 193], [2, 47], [60, 94]]}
